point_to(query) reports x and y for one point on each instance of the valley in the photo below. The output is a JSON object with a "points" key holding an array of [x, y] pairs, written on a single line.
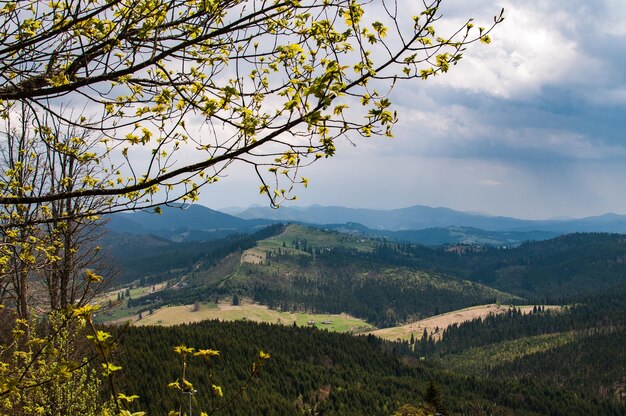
{"points": [[444, 312], [312, 208], [193, 313]]}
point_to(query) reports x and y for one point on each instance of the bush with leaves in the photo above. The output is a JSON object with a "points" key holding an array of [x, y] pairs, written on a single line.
{"points": [[47, 368]]}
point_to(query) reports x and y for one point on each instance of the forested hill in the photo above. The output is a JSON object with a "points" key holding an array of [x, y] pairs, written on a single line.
{"points": [[155, 259], [317, 372], [301, 268], [184, 223], [580, 348], [569, 265], [328, 272]]}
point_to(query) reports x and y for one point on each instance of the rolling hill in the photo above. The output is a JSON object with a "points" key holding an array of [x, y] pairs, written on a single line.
{"points": [[318, 270], [314, 270], [570, 361]]}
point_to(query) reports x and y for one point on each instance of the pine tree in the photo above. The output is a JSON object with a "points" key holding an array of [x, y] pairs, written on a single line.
{"points": [[433, 397]]}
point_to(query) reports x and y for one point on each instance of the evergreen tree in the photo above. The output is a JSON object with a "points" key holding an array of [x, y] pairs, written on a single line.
{"points": [[433, 397]]}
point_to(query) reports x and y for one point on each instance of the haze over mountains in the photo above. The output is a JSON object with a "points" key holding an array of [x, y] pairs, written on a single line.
{"points": [[419, 217], [416, 224]]}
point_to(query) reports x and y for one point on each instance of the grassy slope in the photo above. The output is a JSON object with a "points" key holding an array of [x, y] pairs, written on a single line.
{"points": [[317, 238], [175, 315], [298, 266], [436, 324], [293, 239]]}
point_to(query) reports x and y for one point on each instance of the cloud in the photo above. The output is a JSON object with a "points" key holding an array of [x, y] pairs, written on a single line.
{"points": [[510, 131], [551, 144], [607, 17], [530, 126], [535, 46], [489, 182], [615, 96]]}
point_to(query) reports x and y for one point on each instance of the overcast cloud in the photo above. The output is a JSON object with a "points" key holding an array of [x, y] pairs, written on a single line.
{"points": [[531, 126]]}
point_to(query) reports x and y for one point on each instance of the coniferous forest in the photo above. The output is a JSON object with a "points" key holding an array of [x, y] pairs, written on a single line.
{"points": [[336, 374], [564, 361]]}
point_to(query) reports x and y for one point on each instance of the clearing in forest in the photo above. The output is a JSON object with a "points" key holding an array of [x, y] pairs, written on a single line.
{"points": [[436, 324], [175, 315]]}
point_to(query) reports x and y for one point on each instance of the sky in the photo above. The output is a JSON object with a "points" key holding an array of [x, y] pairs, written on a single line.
{"points": [[531, 126]]}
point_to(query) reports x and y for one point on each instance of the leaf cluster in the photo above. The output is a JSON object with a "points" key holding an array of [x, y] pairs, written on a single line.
{"points": [[269, 84]]}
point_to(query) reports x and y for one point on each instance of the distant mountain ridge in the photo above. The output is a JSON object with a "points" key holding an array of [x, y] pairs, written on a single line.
{"points": [[447, 235], [420, 217], [417, 224], [191, 223]]}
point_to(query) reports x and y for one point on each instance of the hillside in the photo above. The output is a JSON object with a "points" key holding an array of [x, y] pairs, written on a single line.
{"points": [[155, 259], [579, 348], [436, 325], [313, 371], [298, 268], [569, 265], [312, 270]]}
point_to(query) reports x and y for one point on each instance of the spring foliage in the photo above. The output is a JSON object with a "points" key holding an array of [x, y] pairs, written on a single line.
{"points": [[109, 105], [193, 85]]}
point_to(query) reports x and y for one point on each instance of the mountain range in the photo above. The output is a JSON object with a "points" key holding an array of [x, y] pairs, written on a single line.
{"points": [[420, 217], [416, 224], [189, 223]]}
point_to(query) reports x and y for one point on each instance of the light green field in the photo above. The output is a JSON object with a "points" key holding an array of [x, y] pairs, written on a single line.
{"points": [[174, 315], [316, 238], [113, 310], [118, 312]]}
